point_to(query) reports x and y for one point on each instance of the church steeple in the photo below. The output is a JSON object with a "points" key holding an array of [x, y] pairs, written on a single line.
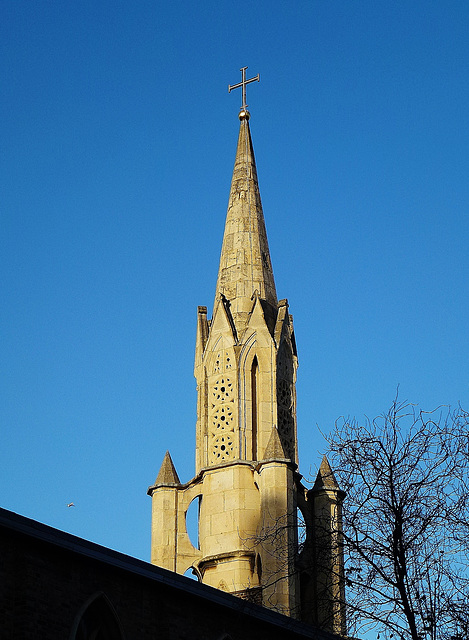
{"points": [[246, 481], [245, 266]]}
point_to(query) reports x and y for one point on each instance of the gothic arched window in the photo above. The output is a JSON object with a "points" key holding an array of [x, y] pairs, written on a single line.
{"points": [[254, 402], [97, 621]]}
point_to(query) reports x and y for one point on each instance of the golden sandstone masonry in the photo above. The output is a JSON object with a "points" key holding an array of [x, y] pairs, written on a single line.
{"points": [[247, 484]]}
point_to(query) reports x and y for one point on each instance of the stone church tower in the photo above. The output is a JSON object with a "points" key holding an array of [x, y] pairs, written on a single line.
{"points": [[248, 489]]}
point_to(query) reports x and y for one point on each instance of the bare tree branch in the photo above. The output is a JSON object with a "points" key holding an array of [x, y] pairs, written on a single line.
{"points": [[405, 519]]}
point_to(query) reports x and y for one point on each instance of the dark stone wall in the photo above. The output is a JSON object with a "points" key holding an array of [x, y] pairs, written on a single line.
{"points": [[47, 577]]}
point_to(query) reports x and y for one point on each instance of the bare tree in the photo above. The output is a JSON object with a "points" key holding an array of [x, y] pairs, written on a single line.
{"points": [[405, 522]]}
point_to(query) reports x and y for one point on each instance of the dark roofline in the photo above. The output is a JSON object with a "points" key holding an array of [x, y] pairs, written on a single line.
{"points": [[26, 526]]}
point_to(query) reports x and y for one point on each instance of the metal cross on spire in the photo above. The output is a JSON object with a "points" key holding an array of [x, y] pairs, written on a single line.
{"points": [[243, 84]]}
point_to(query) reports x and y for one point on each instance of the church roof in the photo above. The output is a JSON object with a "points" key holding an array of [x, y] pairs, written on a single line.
{"points": [[245, 265]]}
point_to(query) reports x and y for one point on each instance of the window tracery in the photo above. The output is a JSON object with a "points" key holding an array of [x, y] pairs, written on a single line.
{"points": [[222, 410], [223, 447], [223, 362], [223, 418], [285, 401], [222, 390]]}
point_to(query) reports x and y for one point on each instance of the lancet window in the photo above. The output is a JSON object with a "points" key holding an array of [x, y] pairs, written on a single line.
{"points": [[285, 401], [254, 406]]}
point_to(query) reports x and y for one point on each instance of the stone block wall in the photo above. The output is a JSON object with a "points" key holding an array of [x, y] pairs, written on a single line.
{"points": [[56, 586]]}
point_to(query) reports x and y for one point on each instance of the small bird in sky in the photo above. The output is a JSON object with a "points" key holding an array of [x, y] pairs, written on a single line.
{"points": [[70, 504]]}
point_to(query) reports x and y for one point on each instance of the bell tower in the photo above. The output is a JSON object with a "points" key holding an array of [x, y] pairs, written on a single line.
{"points": [[247, 483]]}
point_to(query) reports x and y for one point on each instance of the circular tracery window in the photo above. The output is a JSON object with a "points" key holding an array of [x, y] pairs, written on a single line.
{"points": [[222, 390], [223, 417], [223, 447], [284, 393], [286, 431]]}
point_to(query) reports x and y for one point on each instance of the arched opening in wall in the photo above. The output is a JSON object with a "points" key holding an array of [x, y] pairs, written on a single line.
{"points": [[259, 568], [192, 521], [190, 573], [254, 407], [97, 620], [301, 529]]}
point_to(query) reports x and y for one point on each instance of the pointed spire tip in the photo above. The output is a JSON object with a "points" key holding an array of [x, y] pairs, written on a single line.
{"points": [[245, 258], [167, 473], [274, 448], [325, 478]]}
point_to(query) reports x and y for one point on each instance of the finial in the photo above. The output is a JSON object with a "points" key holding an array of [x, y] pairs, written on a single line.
{"points": [[244, 113]]}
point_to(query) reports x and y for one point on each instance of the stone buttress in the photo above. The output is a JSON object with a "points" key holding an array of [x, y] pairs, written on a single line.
{"points": [[247, 484]]}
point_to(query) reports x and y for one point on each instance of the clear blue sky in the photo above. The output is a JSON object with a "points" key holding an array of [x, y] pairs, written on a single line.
{"points": [[117, 145]]}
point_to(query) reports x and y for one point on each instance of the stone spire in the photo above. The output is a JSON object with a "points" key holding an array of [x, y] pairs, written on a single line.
{"points": [[245, 266], [325, 478], [246, 481], [274, 448], [167, 473]]}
